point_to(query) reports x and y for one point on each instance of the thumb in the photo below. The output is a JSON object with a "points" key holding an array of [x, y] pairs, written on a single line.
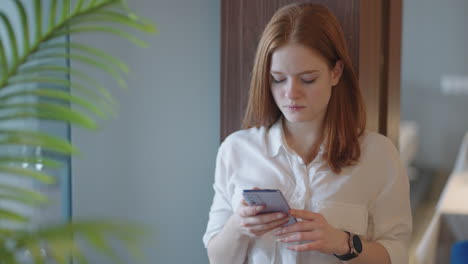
{"points": [[250, 210]]}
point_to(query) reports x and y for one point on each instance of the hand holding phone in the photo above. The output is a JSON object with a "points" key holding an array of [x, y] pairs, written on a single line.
{"points": [[273, 200]]}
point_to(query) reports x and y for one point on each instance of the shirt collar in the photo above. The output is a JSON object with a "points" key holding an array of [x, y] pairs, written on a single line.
{"points": [[275, 140]]}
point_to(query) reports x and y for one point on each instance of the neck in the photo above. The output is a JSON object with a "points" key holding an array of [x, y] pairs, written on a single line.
{"points": [[304, 138]]}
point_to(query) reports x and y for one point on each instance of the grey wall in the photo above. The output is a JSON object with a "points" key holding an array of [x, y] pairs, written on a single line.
{"points": [[435, 44], [155, 163]]}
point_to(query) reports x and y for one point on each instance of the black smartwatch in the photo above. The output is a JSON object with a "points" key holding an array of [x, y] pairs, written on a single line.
{"points": [[355, 247]]}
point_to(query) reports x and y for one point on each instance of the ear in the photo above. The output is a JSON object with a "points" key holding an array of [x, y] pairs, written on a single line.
{"points": [[336, 72]]}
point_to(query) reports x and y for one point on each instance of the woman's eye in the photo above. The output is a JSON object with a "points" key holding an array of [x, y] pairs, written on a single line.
{"points": [[277, 81], [309, 81]]}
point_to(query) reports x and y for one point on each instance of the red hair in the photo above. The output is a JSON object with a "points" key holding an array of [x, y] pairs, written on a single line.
{"points": [[315, 27]]}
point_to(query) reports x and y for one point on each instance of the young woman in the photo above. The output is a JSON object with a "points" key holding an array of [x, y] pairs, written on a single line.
{"points": [[305, 135]]}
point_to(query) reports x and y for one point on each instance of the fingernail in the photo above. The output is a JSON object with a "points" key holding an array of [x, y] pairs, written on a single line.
{"points": [[280, 215], [259, 208]]}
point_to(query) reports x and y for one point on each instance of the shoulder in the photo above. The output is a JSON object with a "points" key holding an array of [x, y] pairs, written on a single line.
{"points": [[380, 156], [242, 139], [376, 143], [379, 150], [246, 135]]}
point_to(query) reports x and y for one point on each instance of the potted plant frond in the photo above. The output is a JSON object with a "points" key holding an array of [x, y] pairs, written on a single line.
{"points": [[33, 87]]}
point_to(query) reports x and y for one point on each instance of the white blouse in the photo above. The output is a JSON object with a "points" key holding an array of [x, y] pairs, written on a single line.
{"points": [[370, 199]]}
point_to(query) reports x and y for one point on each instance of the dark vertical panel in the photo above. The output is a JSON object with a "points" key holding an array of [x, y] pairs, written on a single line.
{"points": [[393, 59], [371, 58], [383, 103], [231, 43], [256, 15], [380, 64]]}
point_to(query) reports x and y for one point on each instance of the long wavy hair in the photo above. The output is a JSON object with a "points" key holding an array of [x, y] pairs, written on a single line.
{"points": [[312, 26]]}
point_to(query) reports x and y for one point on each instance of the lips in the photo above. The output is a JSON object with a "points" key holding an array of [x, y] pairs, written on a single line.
{"points": [[295, 107]]}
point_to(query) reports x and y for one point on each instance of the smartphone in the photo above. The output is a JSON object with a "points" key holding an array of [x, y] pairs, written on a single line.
{"points": [[272, 199]]}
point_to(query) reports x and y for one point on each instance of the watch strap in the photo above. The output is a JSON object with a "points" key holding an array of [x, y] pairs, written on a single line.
{"points": [[352, 251]]}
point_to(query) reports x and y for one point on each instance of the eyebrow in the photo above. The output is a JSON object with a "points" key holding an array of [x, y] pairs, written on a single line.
{"points": [[304, 72]]}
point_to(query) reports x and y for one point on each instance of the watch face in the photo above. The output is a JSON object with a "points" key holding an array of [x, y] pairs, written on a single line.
{"points": [[357, 243]]}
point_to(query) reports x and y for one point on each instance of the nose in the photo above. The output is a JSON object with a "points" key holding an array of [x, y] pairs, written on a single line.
{"points": [[292, 90]]}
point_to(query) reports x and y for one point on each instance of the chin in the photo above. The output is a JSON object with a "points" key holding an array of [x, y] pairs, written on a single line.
{"points": [[295, 119]]}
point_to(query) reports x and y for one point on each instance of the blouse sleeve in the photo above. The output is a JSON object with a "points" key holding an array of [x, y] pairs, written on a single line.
{"points": [[221, 208], [392, 211]]}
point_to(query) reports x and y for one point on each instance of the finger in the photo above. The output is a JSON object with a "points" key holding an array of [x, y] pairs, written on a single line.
{"points": [[306, 215], [301, 236], [263, 219], [269, 226], [247, 211], [256, 188], [314, 245], [297, 227]]}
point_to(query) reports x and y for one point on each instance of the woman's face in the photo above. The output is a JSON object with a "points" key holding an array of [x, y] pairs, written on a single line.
{"points": [[301, 83]]}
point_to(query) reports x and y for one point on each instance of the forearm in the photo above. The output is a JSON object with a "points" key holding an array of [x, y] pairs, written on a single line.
{"points": [[229, 246], [373, 252]]}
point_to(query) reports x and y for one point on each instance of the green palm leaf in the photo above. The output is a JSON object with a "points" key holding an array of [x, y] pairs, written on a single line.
{"points": [[3, 61], [7, 256], [93, 3], [11, 36], [108, 104], [46, 162], [61, 251], [13, 216], [62, 96], [36, 175], [65, 9], [86, 60], [117, 18], [53, 10], [29, 195], [34, 64], [95, 96], [36, 139], [38, 16], [62, 240], [78, 6], [24, 24], [99, 242], [61, 28], [104, 56], [103, 29], [46, 111], [36, 253], [25, 79], [21, 199]]}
